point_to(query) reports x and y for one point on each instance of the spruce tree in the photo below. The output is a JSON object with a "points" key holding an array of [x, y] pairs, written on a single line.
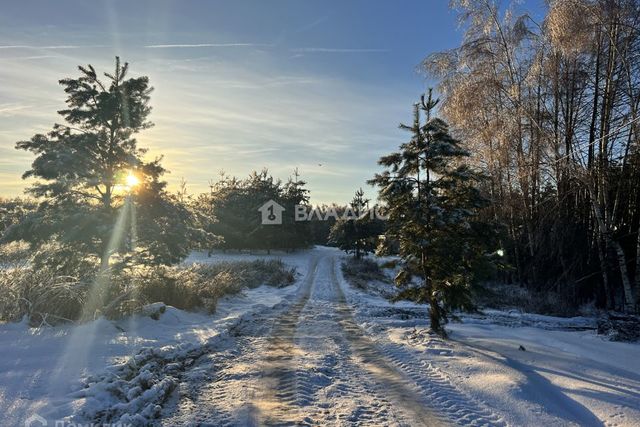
{"points": [[432, 201]]}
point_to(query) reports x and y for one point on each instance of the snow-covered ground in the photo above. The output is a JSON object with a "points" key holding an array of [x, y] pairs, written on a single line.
{"points": [[530, 369], [41, 368], [318, 353]]}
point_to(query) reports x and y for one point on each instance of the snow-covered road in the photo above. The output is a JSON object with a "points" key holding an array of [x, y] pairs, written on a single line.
{"points": [[309, 363], [318, 353]]}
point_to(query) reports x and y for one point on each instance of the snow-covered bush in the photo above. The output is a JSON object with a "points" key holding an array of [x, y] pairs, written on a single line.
{"points": [[47, 294], [361, 272], [620, 327], [14, 254]]}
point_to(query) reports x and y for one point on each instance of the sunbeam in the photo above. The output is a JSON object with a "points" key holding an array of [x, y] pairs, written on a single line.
{"points": [[79, 346], [252, 212]]}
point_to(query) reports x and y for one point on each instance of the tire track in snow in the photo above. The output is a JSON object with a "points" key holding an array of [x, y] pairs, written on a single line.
{"points": [[441, 393], [188, 403], [309, 363], [283, 388], [428, 382], [290, 393], [401, 391], [331, 388], [275, 401], [229, 397]]}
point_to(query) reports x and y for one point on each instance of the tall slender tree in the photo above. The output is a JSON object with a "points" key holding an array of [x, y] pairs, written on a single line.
{"points": [[550, 111]]}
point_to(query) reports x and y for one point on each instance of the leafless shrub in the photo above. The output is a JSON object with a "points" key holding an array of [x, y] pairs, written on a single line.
{"points": [[504, 297], [361, 272]]}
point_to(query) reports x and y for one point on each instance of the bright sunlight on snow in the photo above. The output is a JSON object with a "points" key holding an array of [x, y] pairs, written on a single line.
{"points": [[320, 213]]}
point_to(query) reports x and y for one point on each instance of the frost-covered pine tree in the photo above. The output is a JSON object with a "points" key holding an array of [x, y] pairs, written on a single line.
{"points": [[358, 232], [432, 200], [81, 173]]}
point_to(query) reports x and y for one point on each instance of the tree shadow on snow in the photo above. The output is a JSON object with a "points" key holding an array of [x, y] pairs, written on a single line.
{"points": [[540, 391]]}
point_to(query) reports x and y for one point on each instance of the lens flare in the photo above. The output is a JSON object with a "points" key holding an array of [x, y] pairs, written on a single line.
{"points": [[131, 180]]}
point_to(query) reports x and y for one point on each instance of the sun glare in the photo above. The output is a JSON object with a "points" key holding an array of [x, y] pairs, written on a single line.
{"points": [[131, 180]]}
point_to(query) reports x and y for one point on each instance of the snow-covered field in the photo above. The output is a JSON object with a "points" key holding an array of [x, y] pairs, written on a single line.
{"points": [[318, 353]]}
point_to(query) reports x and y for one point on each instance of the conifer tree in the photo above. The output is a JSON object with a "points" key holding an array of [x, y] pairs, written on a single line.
{"points": [[357, 234], [235, 203], [295, 234], [262, 187], [432, 202], [90, 169]]}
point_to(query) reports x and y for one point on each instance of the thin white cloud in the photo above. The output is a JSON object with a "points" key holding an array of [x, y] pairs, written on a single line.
{"points": [[313, 24], [196, 45], [336, 50], [10, 109], [33, 57], [152, 46], [223, 116], [53, 47]]}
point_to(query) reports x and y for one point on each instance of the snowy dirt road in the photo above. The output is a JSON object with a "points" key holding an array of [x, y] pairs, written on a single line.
{"points": [[320, 352], [307, 362]]}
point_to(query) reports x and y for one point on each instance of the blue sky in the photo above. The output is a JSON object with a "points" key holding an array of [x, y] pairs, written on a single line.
{"points": [[239, 85]]}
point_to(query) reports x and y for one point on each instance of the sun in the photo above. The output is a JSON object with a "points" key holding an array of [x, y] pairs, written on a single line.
{"points": [[131, 180]]}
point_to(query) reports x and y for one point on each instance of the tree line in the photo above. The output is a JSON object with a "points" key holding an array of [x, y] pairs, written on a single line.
{"points": [[549, 110], [96, 196], [537, 161], [231, 212]]}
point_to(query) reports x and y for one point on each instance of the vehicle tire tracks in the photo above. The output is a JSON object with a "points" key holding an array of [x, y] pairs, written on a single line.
{"points": [[431, 385]]}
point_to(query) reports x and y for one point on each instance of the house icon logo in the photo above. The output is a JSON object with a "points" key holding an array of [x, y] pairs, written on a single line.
{"points": [[271, 213], [35, 421]]}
